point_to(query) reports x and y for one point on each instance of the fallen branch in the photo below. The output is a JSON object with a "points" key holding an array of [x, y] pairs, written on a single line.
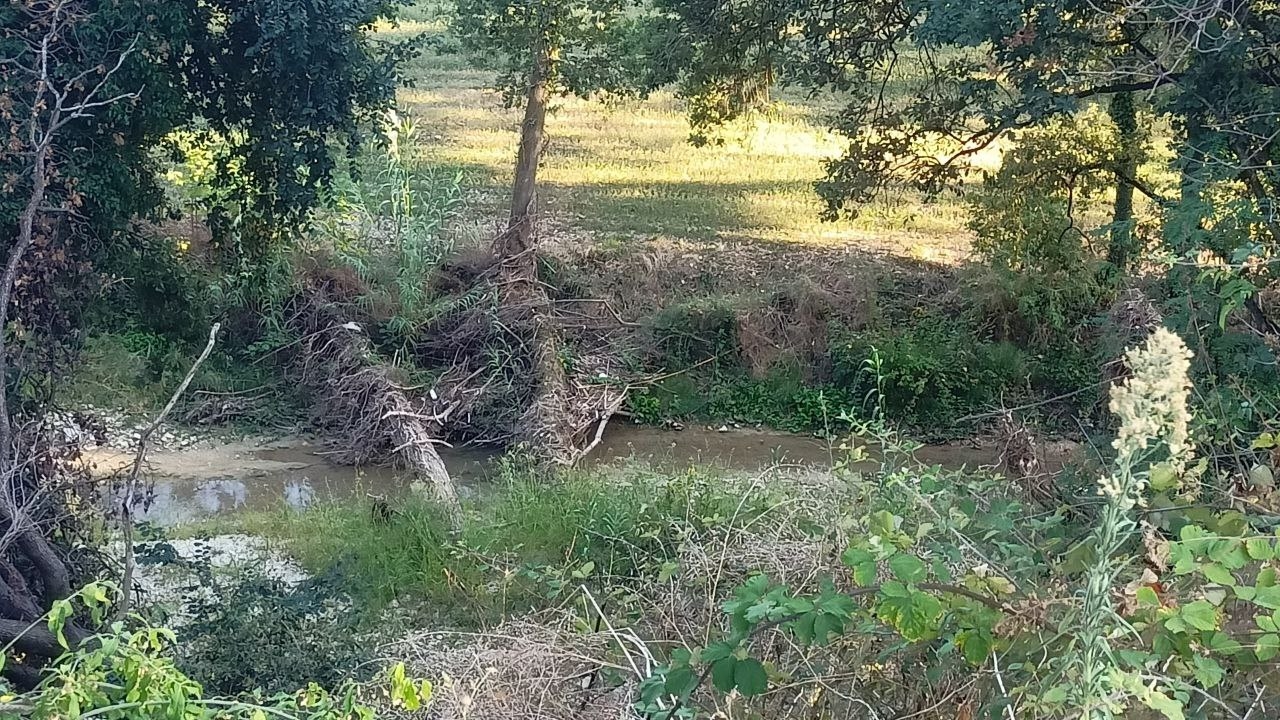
{"points": [[131, 485]]}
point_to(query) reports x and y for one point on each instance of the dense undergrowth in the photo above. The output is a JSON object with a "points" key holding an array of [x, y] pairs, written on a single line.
{"points": [[1147, 580]]}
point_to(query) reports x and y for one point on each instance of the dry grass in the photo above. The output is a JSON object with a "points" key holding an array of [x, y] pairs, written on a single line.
{"points": [[532, 669]]}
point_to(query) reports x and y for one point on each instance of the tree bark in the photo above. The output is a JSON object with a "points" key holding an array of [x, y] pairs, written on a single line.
{"points": [[519, 237], [26, 234], [53, 572], [36, 639], [1124, 115], [16, 599]]}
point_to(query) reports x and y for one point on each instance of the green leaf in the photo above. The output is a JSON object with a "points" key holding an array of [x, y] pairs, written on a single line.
{"points": [[722, 673], [1055, 695], [1229, 553], [1267, 647], [1163, 477], [1265, 441], [1218, 574], [1147, 597], [908, 568], [912, 613], [750, 677], [1265, 623], [1267, 597], [1163, 704], [1266, 577], [883, 522], [1207, 671], [1259, 548], [679, 680], [715, 652], [804, 628], [1200, 615], [1220, 643], [863, 564], [976, 647]]}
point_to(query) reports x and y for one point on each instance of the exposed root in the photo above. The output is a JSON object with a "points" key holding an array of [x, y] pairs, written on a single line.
{"points": [[366, 414], [534, 372]]}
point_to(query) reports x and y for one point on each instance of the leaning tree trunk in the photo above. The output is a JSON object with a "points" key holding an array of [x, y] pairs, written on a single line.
{"points": [[1124, 115], [542, 427], [518, 241], [366, 415]]}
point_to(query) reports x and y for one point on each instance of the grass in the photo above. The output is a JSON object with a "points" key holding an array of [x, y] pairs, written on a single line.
{"points": [[532, 538], [137, 372], [626, 169]]}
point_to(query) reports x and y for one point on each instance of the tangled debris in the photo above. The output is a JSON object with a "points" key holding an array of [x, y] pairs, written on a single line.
{"points": [[368, 416], [531, 369]]}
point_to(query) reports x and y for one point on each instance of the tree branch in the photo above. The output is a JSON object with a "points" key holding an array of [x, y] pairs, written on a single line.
{"points": [[126, 505]]}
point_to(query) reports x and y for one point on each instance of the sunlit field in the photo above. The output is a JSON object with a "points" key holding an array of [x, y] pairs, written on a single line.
{"points": [[622, 170]]}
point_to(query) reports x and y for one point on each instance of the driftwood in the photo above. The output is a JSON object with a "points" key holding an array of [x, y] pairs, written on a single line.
{"points": [[366, 415]]}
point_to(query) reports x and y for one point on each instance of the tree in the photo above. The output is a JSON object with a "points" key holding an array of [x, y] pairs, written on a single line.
{"points": [[88, 90], [988, 69], [543, 49]]}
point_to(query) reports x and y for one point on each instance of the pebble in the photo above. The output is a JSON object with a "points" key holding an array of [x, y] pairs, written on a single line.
{"points": [[119, 430]]}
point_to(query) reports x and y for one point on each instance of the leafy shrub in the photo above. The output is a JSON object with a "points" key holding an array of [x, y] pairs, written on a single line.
{"points": [[696, 331], [928, 374], [161, 290], [255, 633], [1079, 614], [1043, 278], [127, 672]]}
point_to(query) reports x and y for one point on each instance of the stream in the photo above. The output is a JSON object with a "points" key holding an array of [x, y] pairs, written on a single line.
{"points": [[202, 482]]}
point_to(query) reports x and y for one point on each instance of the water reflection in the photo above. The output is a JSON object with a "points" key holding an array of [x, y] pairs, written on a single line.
{"points": [[297, 476]]}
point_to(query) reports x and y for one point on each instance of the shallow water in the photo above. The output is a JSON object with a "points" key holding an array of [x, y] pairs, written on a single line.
{"points": [[193, 484]]}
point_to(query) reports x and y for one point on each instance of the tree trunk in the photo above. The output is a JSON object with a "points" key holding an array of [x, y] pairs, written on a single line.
{"points": [[1124, 115], [519, 237]]}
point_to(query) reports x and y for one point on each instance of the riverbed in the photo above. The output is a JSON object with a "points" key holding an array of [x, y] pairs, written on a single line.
{"points": [[258, 475]]}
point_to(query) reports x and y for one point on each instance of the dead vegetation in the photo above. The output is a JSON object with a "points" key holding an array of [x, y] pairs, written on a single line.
{"points": [[512, 362], [538, 668], [369, 417]]}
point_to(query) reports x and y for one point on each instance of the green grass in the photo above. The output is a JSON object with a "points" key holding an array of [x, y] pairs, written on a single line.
{"points": [[137, 371], [533, 538]]}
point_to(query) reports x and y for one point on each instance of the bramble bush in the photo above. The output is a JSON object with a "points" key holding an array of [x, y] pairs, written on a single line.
{"points": [[1137, 595]]}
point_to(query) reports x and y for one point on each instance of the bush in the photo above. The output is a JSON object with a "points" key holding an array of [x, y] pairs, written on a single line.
{"points": [[696, 331], [255, 633], [928, 374]]}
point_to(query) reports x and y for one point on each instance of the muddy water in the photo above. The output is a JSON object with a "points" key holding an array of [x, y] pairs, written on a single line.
{"points": [[199, 483]]}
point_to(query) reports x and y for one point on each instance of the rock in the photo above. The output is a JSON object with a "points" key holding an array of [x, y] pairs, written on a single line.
{"points": [[723, 428]]}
